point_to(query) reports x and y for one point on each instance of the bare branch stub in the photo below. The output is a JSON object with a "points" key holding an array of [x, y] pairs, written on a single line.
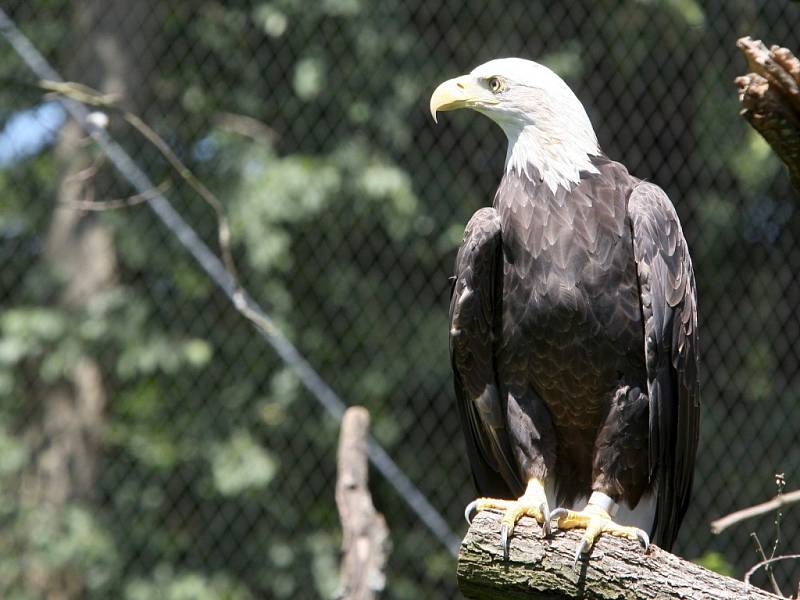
{"points": [[782, 500], [366, 543], [770, 99]]}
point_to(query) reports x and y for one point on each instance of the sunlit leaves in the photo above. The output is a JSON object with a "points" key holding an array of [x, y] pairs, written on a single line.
{"points": [[273, 21], [309, 78], [755, 163], [166, 584], [240, 464], [566, 61], [71, 542], [715, 561], [161, 354]]}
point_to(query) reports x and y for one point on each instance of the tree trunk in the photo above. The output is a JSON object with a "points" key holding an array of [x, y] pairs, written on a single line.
{"points": [[617, 568], [64, 434], [365, 539]]}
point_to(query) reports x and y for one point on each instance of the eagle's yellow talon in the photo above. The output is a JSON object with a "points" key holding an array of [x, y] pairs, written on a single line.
{"points": [[596, 521], [533, 503]]}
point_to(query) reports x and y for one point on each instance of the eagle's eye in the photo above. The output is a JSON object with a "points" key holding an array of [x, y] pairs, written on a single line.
{"points": [[495, 84]]}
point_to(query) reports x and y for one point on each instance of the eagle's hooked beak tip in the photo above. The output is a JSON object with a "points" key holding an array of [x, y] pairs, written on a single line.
{"points": [[453, 94]]}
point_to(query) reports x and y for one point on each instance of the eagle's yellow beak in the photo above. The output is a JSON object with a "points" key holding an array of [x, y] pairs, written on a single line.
{"points": [[461, 92]]}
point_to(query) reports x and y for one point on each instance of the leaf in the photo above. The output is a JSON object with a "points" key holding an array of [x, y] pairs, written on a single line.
{"points": [[240, 465], [715, 561]]}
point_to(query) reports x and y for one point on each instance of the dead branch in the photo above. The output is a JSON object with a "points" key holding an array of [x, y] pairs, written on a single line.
{"points": [[93, 205], [542, 568], [246, 126], [770, 99], [366, 542], [777, 502], [85, 94], [767, 562]]}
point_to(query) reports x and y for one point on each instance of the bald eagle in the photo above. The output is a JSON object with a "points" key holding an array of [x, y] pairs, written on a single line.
{"points": [[573, 325]]}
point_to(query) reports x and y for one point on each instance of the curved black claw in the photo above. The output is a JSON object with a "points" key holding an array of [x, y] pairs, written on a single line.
{"points": [[504, 540], [583, 548], [471, 511], [644, 539], [557, 514], [546, 527]]}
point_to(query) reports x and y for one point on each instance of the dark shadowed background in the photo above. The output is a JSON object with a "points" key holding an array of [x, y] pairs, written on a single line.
{"points": [[152, 446]]}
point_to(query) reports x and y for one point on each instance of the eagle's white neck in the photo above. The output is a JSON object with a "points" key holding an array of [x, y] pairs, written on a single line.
{"points": [[554, 157], [550, 136]]}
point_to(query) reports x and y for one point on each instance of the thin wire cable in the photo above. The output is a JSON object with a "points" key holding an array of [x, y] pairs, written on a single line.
{"points": [[239, 297]]}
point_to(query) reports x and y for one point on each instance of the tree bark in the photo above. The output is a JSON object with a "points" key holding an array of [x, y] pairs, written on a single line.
{"points": [[65, 434], [365, 543], [770, 99], [542, 568], [80, 251]]}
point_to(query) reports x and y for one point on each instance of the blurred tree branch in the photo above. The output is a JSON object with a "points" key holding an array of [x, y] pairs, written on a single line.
{"points": [[91, 97], [366, 543], [770, 99], [777, 502]]}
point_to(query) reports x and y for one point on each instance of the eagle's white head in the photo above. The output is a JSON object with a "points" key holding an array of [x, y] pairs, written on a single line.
{"points": [[549, 133]]}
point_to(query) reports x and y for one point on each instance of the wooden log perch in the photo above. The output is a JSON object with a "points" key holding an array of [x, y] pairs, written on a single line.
{"points": [[542, 568], [365, 544], [770, 99]]}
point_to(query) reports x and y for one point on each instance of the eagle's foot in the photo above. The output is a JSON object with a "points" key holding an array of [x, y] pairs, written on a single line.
{"points": [[533, 503], [596, 520]]}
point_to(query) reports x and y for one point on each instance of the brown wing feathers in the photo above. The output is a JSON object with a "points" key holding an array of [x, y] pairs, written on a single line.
{"points": [[666, 280], [472, 322]]}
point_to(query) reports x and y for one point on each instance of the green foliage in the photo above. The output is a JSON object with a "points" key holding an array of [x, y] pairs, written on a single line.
{"points": [[716, 562], [70, 543], [754, 162], [167, 585], [690, 11], [215, 476], [240, 464]]}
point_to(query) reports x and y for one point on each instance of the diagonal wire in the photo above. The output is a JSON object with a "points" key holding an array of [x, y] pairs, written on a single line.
{"points": [[241, 300]]}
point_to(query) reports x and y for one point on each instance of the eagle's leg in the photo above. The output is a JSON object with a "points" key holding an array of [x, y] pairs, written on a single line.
{"points": [[597, 519], [619, 471], [532, 503]]}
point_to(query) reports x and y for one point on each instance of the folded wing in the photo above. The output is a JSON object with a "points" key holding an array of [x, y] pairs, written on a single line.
{"points": [[472, 326], [669, 307]]}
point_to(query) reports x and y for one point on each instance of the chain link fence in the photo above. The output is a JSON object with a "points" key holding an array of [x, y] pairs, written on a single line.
{"points": [[153, 446]]}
